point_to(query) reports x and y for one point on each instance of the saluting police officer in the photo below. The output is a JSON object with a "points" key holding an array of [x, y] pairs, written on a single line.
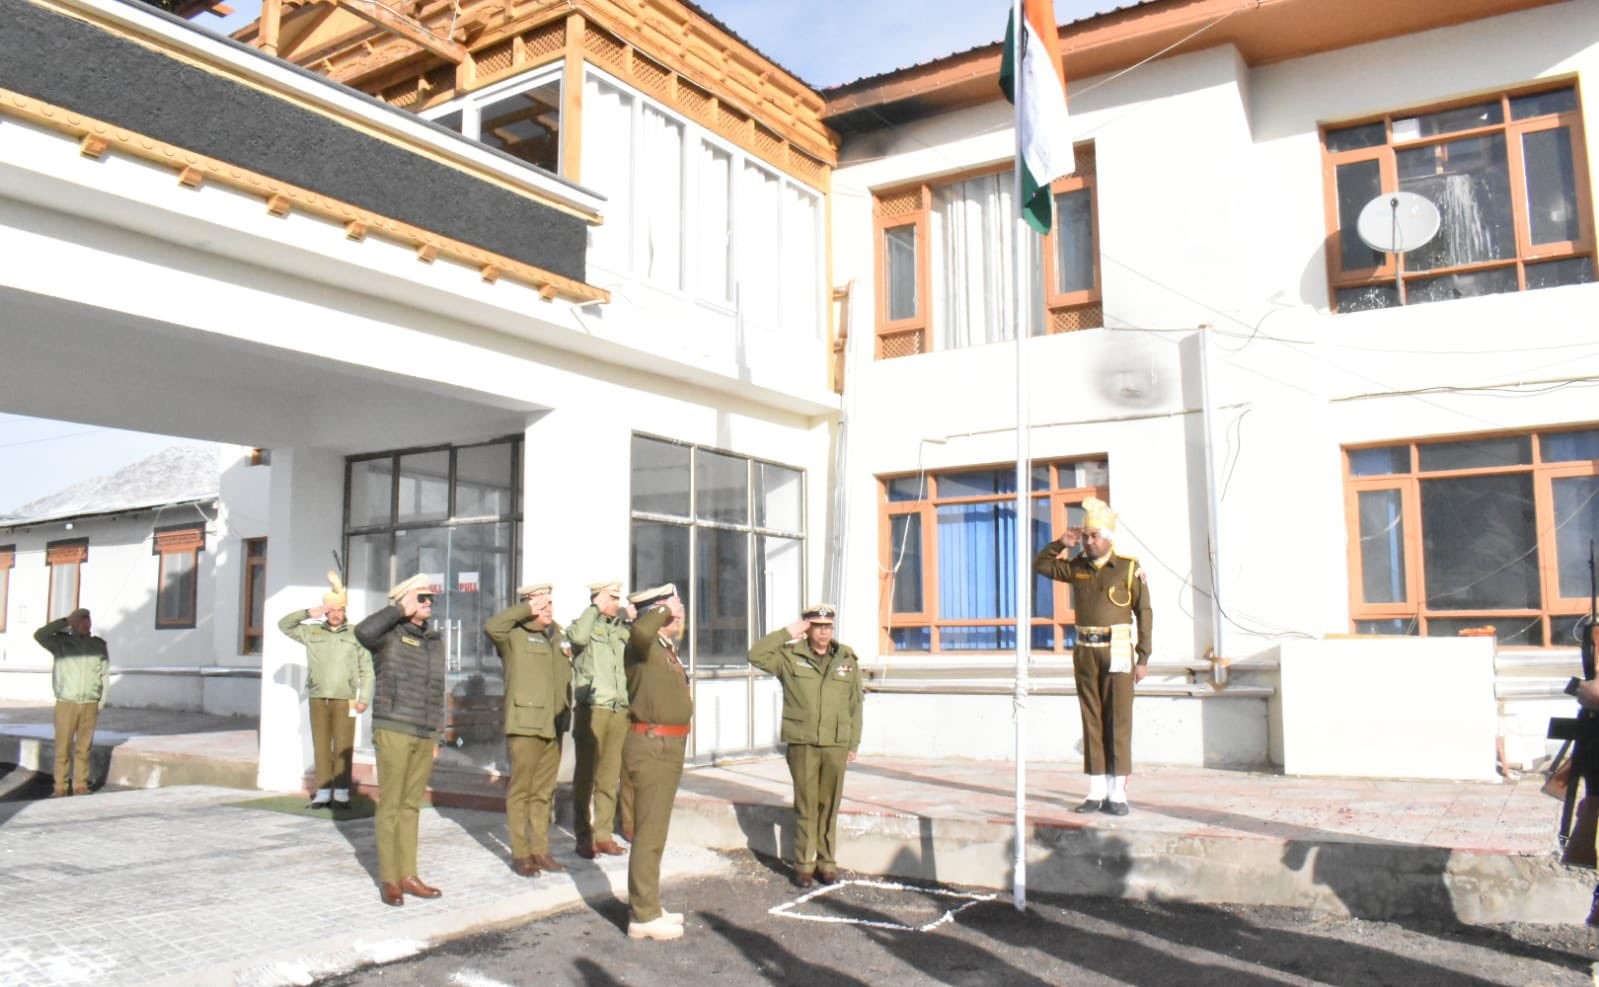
{"points": [[599, 723], [538, 682], [1108, 595], [822, 727], [80, 674], [338, 674], [660, 709]]}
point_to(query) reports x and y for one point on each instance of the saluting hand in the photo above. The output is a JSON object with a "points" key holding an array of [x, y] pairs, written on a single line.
{"points": [[798, 628]]}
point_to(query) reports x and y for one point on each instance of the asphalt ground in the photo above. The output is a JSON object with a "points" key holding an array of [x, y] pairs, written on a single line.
{"points": [[753, 926]]}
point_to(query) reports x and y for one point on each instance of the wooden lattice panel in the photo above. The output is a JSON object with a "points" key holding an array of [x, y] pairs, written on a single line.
{"points": [[805, 166], [1081, 317], [732, 122], [403, 96], [651, 76], [438, 80], [605, 49], [546, 40], [892, 205], [495, 58], [891, 345], [693, 99], [1085, 160], [768, 143]]}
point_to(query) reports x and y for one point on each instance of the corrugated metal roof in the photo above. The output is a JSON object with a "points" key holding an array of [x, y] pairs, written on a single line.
{"points": [[175, 475]]}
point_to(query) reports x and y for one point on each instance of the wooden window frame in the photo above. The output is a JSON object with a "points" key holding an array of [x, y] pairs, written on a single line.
{"points": [[65, 552], [1060, 499], [1063, 311], [1414, 609], [8, 560], [252, 636], [1514, 131], [169, 541]]}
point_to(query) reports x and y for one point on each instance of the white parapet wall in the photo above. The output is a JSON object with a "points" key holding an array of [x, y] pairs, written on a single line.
{"points": [[1395, 708]]}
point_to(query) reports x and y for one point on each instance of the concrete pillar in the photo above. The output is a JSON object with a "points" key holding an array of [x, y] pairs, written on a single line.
{"points": [[575, 488], [305, 527]]}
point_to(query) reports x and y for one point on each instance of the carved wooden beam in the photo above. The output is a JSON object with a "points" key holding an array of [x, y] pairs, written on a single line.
{"points": [[411, 30]]}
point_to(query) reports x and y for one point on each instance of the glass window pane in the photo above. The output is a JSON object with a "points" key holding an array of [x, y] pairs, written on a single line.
{"points": [[1449, 287], [660, 555], [1479, 542], [1448, 121], [757, 258], [1555, 273], [1074, 241], [661, 198], [175, 601], [368, 573], [1379, 462], [997, 638], [1576, 500], [1354, 138], [1509, 450], [256, 617], [1520, 630], [721, 610], [978, 483], [1540, 104], [1089, 473], [424, 486], [1469, 181], [1358, 183], [904, 489], [1382, 546], [1566, 447], [1564, 631], [780, 563], [801, 266], [1551, 186], [608, 170], [1043, 637], [483, 481], [779, 497], [911, 638], [900, 247], [1398, 626], [721, 487], [479, 581], [976, 561], [905, 561], [371, 492], [714, 217], [450, 121], [526, 125], [660, 477], [63, 589], [1041, 534], [1367, 298]]}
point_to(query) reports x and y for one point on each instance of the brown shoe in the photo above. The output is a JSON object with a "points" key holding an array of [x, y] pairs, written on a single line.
{"points": [[414, 886], [391, 895], [80, 791], [60, 793], [803, 879], [826, 875], [586, 851], [609, 848], [526, 866], [547, 862]]}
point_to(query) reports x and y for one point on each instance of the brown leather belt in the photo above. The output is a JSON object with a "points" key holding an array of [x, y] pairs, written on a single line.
{"points": [[662, 729]]}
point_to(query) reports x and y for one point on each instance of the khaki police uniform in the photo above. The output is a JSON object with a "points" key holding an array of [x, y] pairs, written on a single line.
{"points": [[599, 728], [538, 683], [822, 727], [79, 675], [1107, 598], [338, 672], [660, 709]]}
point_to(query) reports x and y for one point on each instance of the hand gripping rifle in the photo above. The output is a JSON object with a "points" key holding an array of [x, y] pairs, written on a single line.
{"points": [[1581, 734]]}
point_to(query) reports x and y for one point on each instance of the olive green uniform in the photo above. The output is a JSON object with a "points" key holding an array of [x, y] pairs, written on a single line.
{"points": [[407, 721], [822, 727], [658, 695], [599, 725], [538, 683], [338, 672], [1107, 599], [79, 675]]}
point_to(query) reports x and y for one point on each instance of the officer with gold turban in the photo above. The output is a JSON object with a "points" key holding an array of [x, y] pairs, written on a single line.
{"points": [[1114, 624]]}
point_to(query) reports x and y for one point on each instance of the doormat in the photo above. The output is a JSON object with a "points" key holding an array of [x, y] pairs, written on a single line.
{"points": [[361, 807]]}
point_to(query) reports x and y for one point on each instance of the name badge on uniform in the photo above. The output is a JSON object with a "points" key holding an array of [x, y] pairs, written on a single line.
{"points": [[844, 670], [413, 642], [1082, 575]]}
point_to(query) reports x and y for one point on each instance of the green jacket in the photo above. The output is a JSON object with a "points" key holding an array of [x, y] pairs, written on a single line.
{"points": [[599, 678], [538, 671], [337, 667], [82, 665], [821, 693]]}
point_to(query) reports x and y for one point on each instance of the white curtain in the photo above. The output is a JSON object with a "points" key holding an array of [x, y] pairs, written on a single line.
{"points": [[758, 252], [608, 169], [802, 271], [661, 198], [974, 287], [714, 215]]}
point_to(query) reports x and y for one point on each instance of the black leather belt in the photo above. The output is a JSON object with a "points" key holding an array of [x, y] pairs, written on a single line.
{"points": [[1093, 637]]}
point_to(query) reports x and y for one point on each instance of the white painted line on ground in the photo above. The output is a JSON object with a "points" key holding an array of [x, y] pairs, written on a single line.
{"points": [[471, 978], [785, 910]]}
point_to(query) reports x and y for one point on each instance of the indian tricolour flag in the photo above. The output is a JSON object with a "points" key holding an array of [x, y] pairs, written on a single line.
{"points": [[1042, 131]]}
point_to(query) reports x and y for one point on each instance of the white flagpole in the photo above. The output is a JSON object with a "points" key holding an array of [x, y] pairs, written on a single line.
{"points": [[1024, 569]]}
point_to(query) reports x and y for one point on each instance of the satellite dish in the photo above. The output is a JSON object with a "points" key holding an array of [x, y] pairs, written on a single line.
{"points": [[1395, 222]]}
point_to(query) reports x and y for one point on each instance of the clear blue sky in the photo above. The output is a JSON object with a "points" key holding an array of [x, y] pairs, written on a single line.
{"points": [[824, 42]]}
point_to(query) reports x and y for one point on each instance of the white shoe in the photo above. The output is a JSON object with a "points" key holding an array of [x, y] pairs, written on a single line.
{"points": [[662, 928], [676, 918]]}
